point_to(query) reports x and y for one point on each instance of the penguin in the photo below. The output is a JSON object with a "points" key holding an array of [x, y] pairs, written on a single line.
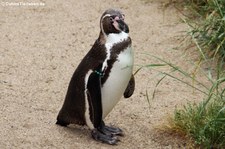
{"points": [[103, 76]]}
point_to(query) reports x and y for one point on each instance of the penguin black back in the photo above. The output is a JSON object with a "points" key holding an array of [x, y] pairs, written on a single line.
{"points": [[74, 106]]}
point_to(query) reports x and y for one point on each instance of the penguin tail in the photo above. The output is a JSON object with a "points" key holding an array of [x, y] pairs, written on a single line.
{"points": [[61, 123]]}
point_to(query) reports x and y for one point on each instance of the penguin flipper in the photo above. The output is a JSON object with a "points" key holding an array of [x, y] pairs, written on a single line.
{"points": [[94, 98], [101, 132], [130, 88]]}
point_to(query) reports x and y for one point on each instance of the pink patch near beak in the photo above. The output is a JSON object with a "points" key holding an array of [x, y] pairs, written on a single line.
{"points": [[115, 23], [116, 18]]}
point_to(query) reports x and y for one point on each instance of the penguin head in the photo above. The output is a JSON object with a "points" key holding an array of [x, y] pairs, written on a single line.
{"points": [[112, 21]]}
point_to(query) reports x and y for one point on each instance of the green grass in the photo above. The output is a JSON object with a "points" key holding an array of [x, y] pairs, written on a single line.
{"points": [[203, 122], [207, 28]]}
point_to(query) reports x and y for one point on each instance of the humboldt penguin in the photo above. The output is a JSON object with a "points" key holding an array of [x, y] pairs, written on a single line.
{"points": [[103, 76]]}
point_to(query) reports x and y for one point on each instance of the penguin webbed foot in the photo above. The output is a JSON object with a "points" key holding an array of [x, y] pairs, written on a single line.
{"points": [[107, 134], [104, 137], [112, 130]]}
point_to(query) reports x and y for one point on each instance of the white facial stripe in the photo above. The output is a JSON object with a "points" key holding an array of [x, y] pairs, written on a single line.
{"points": [[104, 66], [107, 15], [87, 112]]}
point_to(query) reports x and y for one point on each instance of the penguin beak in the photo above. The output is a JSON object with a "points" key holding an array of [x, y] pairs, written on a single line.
{"points": [[120, 25]]}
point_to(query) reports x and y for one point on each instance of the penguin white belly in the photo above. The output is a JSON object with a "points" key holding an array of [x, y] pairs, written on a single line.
{"points": [[117, 81]]}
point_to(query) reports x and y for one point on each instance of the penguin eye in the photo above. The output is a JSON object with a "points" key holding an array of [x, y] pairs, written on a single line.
{"points": [[111, 18]]}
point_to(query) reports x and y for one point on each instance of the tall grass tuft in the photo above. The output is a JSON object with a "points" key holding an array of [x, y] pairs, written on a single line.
{"points": [[208, 28], [203, 122]]}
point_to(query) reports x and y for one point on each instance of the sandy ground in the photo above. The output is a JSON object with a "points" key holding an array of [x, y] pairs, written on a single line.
{"points": [[40, 47]]}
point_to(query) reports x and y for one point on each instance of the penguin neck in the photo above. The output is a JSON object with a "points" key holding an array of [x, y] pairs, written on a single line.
{"points": [[102, 38], [112, 38]]}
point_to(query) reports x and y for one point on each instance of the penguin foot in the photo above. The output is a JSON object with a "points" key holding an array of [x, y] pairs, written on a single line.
{"points": [[104, 137], [112, 130]]}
